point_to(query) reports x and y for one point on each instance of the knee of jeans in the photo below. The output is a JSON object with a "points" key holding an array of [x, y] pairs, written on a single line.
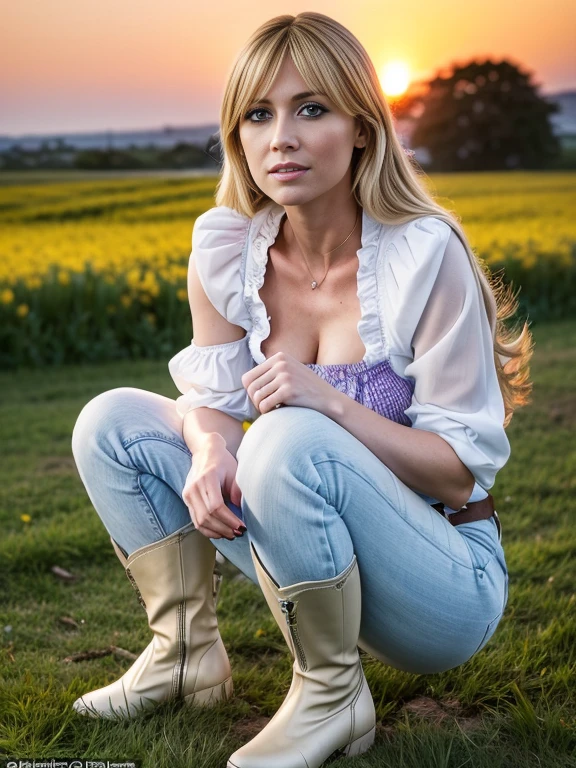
{"points": [[252, 452], [97, 417], [272, 442], [278, 432]]}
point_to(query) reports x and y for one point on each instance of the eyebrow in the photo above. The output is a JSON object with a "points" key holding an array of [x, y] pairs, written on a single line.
{"points": [[297, 97]]}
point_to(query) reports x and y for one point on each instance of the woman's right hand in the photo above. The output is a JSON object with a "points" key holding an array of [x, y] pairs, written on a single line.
{"points": [[213, 473]]}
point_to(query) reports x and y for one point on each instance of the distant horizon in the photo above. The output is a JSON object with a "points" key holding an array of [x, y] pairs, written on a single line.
{"points": [[141, 129], [166, 126]]}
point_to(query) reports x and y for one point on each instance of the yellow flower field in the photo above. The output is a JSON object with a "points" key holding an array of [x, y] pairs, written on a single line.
{"points": [[94, 270]]}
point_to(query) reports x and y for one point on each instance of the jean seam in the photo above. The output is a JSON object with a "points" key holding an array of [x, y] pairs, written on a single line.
{"points": [[160, 438], [153, 517], [400, 504], [327, 504], [399, 498]]}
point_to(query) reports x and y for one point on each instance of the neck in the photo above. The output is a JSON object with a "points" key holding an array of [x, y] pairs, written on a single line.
{"points": [[312, 234]]}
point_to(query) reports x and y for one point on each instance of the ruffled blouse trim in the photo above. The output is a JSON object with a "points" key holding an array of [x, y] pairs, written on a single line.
{"points": [[369, 327], [263, 233]]}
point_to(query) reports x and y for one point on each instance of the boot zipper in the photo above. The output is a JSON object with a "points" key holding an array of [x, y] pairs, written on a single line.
{"points": [[178, 672], [132, 581], [289, 610]]}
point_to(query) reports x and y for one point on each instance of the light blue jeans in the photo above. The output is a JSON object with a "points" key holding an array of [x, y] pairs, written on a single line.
{"points": [[312, 496]]}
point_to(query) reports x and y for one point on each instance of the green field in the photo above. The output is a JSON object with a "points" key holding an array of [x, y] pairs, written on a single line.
{"points": [[93, 267], [512, 705]]}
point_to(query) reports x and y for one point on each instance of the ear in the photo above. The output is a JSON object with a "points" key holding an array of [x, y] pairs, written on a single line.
{"points": [[361, 134]]}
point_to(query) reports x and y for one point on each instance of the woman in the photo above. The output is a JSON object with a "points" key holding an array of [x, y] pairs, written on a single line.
{"points": [[343, 292]]}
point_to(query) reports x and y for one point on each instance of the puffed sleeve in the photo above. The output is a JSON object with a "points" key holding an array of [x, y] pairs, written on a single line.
{"points": [[211, 376], [218, 240], [441, 338]]}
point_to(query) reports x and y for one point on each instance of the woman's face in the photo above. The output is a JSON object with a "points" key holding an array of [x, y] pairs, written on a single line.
{"points": [[308, 130]]}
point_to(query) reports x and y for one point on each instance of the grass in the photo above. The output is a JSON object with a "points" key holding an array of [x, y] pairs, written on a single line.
{"points": [[513, 704]]}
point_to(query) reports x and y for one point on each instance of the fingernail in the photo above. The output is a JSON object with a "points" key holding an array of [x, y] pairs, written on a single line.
{"points": [[238, 533]]}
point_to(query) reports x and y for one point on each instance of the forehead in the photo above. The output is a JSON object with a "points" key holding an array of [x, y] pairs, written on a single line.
{"points": [[288, 85]]}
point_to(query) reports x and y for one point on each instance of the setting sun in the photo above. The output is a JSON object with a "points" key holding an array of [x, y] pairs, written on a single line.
{"points": [[395, 78]]}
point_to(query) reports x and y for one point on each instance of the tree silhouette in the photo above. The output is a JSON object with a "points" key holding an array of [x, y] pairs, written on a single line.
{"points": [[481, 116]]}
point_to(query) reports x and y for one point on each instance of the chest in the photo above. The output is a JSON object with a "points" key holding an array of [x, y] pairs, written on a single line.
{"points": [[314, 326]]}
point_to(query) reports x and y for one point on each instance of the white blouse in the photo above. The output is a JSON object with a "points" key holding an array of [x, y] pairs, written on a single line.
{"points": [[421, 308]]}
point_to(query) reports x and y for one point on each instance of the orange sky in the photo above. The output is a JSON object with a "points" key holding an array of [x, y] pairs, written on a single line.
{"points": [[75, 65]]}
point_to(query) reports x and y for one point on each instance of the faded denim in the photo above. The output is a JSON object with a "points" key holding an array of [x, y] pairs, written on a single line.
{"points": [[312, 496]]}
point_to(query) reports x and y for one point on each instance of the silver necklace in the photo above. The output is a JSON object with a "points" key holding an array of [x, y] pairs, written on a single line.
{"points": [[314, 283]]}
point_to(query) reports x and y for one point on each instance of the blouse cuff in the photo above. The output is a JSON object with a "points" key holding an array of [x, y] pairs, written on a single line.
{"points": [[211, 377], [478, 493]]}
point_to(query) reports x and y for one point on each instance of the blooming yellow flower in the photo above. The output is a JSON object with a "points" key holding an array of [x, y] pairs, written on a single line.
{"points": [[6, 296], [133, 277], [25, 518], [22, 310], [33, 282]]}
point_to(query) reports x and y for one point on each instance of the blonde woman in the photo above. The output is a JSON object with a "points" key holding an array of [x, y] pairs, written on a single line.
{"points": [[325, 280]]}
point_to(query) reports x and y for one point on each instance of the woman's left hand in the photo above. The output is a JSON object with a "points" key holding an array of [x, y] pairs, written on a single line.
{"points": [[283, 379]]}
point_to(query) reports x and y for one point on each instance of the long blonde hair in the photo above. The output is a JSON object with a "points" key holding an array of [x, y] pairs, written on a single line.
{"points": [[384, 180]]}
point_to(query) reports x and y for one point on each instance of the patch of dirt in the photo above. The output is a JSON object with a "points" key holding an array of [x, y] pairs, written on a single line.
{"points": [[248, 727], [263, 655], [436, 712]]}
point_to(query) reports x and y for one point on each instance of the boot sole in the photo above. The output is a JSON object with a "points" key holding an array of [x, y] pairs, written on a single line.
{"points": [[356, 747], [360, 745], [207, 697]]}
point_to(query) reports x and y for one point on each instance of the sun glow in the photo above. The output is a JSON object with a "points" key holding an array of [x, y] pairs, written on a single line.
{"points": [[395, 78]]}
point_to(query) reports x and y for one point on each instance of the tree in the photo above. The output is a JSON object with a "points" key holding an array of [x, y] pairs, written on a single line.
{"points": [[481, 116]]}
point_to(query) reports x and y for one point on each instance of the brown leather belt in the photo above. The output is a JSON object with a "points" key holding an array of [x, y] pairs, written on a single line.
{"points": [[474, 510]]}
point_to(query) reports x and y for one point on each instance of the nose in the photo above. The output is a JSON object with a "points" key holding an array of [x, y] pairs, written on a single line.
{"points": [[283, 136]]}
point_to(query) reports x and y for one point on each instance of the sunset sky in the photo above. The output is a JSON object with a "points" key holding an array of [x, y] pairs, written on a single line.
{"points": [[81, 65]]}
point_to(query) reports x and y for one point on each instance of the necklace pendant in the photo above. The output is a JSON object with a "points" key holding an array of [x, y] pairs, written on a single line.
{"points": [[314, 284]]}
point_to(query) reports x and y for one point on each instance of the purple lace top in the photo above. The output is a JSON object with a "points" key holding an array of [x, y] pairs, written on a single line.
{"points": [[378, 386]]}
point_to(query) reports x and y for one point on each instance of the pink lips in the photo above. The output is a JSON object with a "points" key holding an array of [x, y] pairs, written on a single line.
{"points": [[288, 175]]}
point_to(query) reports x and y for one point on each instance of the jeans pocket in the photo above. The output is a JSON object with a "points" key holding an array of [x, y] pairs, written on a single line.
{"points": [[483, 543], [490, 629]]}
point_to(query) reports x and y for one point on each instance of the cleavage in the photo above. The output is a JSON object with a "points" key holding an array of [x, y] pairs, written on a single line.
{"points": [[304, 325]]}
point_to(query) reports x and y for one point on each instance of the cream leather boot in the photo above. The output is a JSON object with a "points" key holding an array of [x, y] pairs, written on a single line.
{"points": [[177, 584], [329, 710]]}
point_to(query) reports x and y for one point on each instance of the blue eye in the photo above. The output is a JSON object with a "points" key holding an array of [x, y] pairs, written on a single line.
{"points": [[310, 105]]}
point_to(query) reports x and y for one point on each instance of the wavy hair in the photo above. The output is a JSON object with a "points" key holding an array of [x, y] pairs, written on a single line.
{"points": [[385, 181]]}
